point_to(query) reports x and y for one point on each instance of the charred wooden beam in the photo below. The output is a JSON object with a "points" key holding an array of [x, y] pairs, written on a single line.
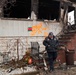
{"points": [[34, 10]]}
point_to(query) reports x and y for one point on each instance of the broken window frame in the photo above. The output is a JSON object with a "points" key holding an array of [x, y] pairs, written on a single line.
{"points": [[16, 17], [30, 17], [58, 18]]}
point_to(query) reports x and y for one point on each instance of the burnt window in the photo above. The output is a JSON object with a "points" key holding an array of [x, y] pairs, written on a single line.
{"points": [[49, 9], [21, 9]]}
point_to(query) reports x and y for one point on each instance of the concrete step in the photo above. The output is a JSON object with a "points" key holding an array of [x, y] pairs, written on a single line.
{"points": [[62, 43], [65, 40], [67, 35], [71, 31]]}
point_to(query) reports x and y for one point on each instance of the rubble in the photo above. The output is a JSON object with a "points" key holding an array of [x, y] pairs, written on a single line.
{"points": [[21, 70], [30, 69]]}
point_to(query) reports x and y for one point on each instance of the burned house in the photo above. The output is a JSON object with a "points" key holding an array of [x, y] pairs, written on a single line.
{"points": [[26, 21]]}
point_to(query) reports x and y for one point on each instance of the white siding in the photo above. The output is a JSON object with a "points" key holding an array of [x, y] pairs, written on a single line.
{"points": [[20, 28], [11, 30]]}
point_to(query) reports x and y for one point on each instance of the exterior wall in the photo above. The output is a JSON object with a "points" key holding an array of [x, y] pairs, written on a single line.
{"points": [[15, 38], [20, 28], [12, 47]]}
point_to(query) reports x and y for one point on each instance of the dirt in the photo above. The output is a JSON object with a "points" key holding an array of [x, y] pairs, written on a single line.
{"points": [[69, 71]]}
